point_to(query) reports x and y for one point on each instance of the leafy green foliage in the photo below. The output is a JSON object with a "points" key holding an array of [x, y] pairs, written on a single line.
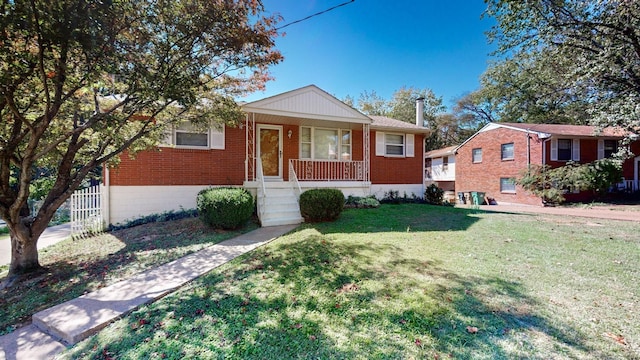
{"points": [[318, 205], [578, 56], [361, 202], [434, 195], [225, 208], [550, 184], [84, 81]]}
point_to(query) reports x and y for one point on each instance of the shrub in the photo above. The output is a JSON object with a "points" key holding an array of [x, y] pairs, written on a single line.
{"points": [[225, 208], [165, 216], [321, 204], [362, 202], [434, 195]]}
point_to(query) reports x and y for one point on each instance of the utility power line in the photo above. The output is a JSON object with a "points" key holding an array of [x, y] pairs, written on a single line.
{"points": [[314, 15]]}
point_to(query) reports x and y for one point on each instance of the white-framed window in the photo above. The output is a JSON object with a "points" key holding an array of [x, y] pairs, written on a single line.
{"points": [[395, 144], [565, 149], [185, 135], [507, 185], [445, 163], [476, 155], [607, 148], [506, 151], [325, 143]]}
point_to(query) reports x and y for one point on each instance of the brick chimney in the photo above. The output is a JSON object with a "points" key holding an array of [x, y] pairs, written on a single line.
{"points": [[420, 112]]}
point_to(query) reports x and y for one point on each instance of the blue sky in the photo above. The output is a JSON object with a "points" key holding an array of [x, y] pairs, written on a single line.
{"points": [[381, 45]]}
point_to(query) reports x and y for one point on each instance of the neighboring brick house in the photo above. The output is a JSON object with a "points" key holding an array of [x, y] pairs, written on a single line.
{"points": [[492, 158], [287, 143]]}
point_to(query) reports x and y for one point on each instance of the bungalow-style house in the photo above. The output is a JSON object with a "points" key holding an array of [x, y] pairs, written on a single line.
{"points": [[491, 159], [286, 144], [440, 168]]}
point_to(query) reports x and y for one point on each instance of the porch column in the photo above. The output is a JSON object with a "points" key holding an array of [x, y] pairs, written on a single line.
{"points": [[366, 151]]}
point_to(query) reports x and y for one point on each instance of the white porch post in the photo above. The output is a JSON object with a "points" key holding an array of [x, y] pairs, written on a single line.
{"points": [[366, 152]]}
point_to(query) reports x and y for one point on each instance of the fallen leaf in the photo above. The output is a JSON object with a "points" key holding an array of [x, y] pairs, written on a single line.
{"points": [[617, 338], [297, 326], [472, 329], [418, 342]]}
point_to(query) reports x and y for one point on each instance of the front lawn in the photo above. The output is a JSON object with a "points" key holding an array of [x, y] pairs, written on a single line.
{"points": [[402, 282]]}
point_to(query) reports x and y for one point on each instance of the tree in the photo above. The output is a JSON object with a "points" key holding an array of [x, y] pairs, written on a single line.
{"points": [[599, 38], [403, 104], [82, 80], [371, 103]]}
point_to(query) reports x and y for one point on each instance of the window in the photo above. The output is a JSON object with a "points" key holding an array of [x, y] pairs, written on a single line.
{"points": [[476, 155], [507, 151], [189, 136], [394, 144], [507, 185], [325, 144], [610, 148], [564, 149], [445, 163]]}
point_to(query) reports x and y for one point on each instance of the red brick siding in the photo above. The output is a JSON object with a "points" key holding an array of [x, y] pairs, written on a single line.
{"points": [[485, 176], [174, 166], [390, 170]]}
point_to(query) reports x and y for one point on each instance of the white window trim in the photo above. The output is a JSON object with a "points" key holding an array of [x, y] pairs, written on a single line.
{"points": [[513, 152], [341, 132], [507, 191], [472, 157], [575, 149], [408, 145], [215, 139]]}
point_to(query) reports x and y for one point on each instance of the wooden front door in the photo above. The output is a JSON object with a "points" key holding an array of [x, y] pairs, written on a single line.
{"points": [[270, 150]]}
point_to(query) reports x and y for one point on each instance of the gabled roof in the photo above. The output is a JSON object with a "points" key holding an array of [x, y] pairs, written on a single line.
{"points": [[545, 131], [564, 130], [450, 150], [386, 123], [309, 102]]}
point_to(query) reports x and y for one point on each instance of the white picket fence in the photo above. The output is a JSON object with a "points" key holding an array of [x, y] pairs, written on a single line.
{"points": [[86, 212]]}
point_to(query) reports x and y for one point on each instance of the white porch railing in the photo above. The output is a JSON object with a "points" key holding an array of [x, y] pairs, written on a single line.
{"points": [[328, 170], [629, 185]]}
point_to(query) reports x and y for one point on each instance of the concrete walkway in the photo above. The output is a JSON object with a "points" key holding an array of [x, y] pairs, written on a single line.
{"points": [[49, 237], [68, 323]]}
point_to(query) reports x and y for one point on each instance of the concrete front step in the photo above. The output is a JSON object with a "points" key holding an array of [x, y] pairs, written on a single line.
{"points": [[80, 318], [282, 221]]}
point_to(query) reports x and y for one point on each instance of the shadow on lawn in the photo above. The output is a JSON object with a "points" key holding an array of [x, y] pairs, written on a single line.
{"points": [[316, 298], [75, 267]]}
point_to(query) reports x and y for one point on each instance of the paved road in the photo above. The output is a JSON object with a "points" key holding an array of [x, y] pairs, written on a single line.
{"points": [[50, 236]]}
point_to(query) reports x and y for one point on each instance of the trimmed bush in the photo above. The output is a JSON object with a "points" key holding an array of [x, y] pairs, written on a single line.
{"points": [[225, 208], [434, 195], [318, 205]]}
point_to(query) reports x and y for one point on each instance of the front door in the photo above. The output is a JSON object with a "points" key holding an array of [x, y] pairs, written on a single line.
{"points": [[270, 150]]}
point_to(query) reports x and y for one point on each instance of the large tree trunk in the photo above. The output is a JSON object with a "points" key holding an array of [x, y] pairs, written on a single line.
{"points": [[24, 254]]}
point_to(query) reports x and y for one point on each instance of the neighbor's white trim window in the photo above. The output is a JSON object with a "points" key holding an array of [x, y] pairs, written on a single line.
{"points": [[506, 151], [185, 135], [395, 144], [476, 155], [565, 149], [607, 148], [325, 143], [507, 185]]}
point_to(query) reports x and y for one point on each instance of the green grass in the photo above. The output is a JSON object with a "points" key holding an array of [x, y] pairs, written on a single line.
{"points": [[77, 266], [403, 282]]}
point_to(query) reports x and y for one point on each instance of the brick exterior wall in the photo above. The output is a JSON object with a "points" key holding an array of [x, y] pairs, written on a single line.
{"points": [[176, 166], [390, 170], [485, 176]]}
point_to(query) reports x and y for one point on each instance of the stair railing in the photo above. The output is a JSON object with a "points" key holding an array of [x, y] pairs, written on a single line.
{"points": [[293, 180], [262, 195]]}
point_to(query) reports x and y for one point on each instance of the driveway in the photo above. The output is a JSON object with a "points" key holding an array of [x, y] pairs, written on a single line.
{"points": [[50, 236], [614, 212]]}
